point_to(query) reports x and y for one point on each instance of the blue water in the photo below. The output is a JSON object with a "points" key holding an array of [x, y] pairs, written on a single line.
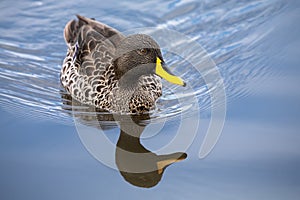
{"points": [[255, 46]]}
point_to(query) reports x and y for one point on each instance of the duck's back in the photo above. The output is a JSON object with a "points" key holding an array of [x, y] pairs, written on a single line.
{"points": [[87, 72]]}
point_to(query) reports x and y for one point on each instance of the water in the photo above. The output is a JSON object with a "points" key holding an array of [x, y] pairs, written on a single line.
{"points": [[254, 45]]}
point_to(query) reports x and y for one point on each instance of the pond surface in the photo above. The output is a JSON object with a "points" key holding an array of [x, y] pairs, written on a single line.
{"points": [[255, 48]]}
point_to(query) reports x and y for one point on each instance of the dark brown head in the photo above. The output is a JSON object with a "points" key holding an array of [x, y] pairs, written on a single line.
{"points": [[138, 55], [145, 169]]}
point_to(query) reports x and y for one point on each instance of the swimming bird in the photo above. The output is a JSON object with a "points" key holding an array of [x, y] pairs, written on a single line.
{"points": [[111, 71]]}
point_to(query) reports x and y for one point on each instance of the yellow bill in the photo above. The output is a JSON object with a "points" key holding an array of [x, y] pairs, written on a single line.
{"points": [[164, 73], [164, 163]]}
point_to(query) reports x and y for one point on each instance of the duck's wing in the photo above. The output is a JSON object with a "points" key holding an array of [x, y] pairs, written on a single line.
{"points": [[91, 44], [73, 27]]}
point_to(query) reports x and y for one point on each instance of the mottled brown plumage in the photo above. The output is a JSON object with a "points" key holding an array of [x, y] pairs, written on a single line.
{"points": [[105, 69]]}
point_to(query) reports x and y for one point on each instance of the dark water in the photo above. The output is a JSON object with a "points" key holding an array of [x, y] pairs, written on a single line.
{"points": [[255, 46]]}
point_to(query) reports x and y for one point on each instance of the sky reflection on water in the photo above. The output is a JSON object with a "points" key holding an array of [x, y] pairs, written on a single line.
{"points": [[255, 45]]}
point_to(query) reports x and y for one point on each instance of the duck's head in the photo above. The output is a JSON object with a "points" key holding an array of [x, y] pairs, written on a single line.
{"points": [[147, 171], [138, 55]]}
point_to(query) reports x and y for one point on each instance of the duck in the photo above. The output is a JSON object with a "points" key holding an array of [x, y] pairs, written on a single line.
{"points": [[138, 165], [110, 71]]}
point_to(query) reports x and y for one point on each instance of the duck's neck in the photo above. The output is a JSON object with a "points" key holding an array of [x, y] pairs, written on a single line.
{"points": [[130, 143], [131, 129], [128, 81], [129, 78]]}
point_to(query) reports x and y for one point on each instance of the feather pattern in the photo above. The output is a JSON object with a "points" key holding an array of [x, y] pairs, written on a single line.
{"points": [[88, 71]]}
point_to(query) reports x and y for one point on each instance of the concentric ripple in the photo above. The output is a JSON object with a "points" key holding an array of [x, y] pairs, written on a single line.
{"points": [[32, 50]]}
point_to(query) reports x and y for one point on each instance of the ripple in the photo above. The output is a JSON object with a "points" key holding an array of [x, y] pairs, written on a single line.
{"points": [[32, 50]]}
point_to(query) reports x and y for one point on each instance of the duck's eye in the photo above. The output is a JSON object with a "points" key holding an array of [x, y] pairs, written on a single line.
{"points": [[143, 51]]}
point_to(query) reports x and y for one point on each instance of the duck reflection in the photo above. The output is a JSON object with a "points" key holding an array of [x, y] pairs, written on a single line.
{"points": [[138, 165]]}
